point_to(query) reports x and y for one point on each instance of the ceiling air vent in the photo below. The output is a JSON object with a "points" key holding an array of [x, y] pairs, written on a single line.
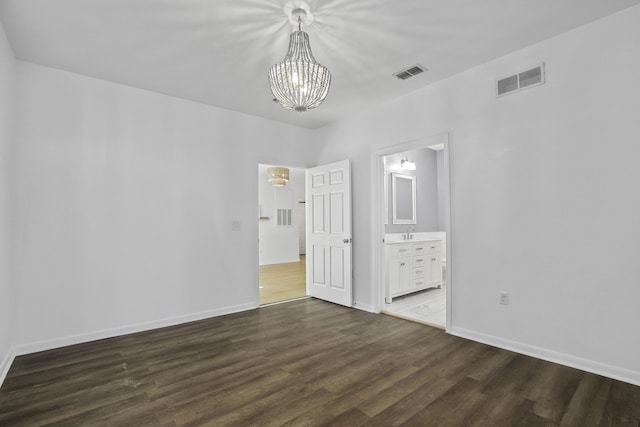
{"points": [[410, 72], [522, 80]]}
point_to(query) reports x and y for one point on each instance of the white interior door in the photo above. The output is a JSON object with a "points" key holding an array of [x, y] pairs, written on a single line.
{"points": [[329, 232]]}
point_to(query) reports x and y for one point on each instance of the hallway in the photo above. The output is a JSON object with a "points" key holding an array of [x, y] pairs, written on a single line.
{"points": [[281, 282]]}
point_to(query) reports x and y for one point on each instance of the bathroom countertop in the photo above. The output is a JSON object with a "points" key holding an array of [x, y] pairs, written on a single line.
{"points": [[420, 237], [414, 240]]}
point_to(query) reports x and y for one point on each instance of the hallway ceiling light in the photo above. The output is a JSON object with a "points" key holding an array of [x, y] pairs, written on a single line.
{"points": [[298, 82], [408, 165], [278, 176]]}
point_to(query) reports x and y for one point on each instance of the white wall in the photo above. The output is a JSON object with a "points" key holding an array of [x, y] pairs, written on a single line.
{"points": [[279, 244], [545, 196], [7, 82], [124, 207]]}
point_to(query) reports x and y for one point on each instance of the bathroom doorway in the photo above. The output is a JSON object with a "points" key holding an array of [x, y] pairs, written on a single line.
{"points": [[413, 253], [281, 233]]}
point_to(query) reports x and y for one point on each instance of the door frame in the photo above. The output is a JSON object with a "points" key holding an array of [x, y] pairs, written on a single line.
{"points": [[377, 183]]}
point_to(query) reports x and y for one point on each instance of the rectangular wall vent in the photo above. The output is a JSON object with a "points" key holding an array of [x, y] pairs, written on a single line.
{"points": [[522, 80], [410, 72], [284, 218]]}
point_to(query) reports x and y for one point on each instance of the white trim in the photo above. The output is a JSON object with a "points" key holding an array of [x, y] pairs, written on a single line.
{"points": [[614, 372], [447, 163], [6, 364], [377, 227], [34, 347], [377, 231], [364, 307]]}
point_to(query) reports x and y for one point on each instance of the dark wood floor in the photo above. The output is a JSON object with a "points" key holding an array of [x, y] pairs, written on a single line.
{"points": [[305, 363]]}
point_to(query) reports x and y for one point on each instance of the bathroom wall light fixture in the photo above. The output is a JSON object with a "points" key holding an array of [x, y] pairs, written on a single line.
{"points": [[278, 176], [299, 83], [407, 165]]}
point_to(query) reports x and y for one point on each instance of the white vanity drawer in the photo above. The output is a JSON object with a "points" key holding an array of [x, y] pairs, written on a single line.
{"points": [[401, 250], [428, 248], [419, 249], [420, 260], [418, 272]]}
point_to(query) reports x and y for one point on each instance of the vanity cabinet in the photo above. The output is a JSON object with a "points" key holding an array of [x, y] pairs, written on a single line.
{"points": [[412, 267]]}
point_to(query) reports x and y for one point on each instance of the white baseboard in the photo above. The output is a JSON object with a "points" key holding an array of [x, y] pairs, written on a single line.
{"points": [[34, 347], [614, 372], [621, 374], [6, 364], [364, 307]]}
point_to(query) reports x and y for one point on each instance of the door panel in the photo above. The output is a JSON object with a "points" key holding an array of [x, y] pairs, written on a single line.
{"points": [[337, 212], [329, 238], [317, 202], [337, 267], [318, 265]]}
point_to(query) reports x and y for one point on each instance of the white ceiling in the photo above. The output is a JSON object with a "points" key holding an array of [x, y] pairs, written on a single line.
{"points": [[218, 51]]}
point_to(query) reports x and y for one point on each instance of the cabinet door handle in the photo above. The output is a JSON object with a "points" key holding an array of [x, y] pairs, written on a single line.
{"points": [[419, 260], [402, 264], [402, 250], [419, 249], [434, 259], [419, 283], [433, 247]]}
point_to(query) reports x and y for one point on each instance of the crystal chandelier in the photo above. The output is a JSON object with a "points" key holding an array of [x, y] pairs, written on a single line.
{"points": [[298, 82]]}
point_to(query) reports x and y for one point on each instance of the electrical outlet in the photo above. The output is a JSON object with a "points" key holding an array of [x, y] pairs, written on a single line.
{"points": [[504, 298]]}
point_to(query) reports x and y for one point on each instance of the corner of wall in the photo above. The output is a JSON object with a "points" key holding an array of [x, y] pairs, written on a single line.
{"points": [[610, 371], [7, 111]]}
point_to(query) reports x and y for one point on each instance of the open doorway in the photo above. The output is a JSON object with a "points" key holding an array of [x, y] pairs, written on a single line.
{"points": [[281, 233], [414, 230]]}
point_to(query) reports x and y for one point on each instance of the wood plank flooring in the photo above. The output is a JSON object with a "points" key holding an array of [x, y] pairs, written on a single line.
{"points": [[281, 282], [305, 363]]}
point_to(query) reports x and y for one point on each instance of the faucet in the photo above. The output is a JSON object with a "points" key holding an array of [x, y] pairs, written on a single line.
{"points": [[409, 236]]}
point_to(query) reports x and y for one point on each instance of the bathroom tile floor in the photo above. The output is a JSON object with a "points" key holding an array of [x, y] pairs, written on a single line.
{"points": [[428, 306]]}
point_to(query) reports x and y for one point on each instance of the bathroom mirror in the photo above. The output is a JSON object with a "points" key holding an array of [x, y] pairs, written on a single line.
{"points": [[403, 188]]}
